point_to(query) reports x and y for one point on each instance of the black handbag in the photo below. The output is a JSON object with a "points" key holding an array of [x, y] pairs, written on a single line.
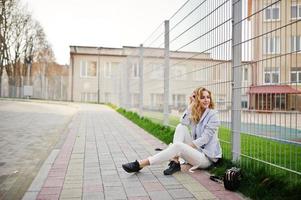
{"points": [[232, 178]]}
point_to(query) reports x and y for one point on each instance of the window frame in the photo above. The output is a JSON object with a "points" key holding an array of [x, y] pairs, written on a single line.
{"points": [[275, 41], [88, 96], [245, 74], [294, 42], [298, 76], [84, 65], [157, 100], [178, 100], [108, 70], [157, 71], [271, 72], [200, 74], [135, 71], [270, 8], [179, 73], [298, 13]]}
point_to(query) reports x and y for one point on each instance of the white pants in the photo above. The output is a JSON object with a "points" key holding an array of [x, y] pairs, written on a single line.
{"points": [[181, 148]]}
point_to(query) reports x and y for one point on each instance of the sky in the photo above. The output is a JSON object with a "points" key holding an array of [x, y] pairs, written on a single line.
{"points": [[106, 23]]}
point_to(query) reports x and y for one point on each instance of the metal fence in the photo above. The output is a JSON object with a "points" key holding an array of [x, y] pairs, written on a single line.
{"points": [[54, 87], [247, 54]]}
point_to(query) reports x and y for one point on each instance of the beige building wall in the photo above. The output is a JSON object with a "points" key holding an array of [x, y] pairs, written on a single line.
{"points": [[283, 28], [284, 57], [121, 87]]}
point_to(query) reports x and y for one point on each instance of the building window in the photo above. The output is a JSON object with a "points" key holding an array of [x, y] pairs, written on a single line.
{"points": [[135, 100], [271, 45], [88, 69], [221, 103], [199, 74], [296, 11], [157, 101], [178, 100], [280, 103], [271, 75], [272, 13], [244, 104], [114, 68], [178, 73], [135, 70], [295, 43], [245, 74], [108, 97], [108, 70], [157, 71], [296, 76], [219, 72], [88, 97]]}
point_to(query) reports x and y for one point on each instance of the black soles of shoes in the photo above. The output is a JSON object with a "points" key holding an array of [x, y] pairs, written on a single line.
{"points": [[173, 167], [132, 167]]}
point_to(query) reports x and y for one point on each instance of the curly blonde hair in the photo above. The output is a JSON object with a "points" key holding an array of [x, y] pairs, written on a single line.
{"points": [[197, 108]]}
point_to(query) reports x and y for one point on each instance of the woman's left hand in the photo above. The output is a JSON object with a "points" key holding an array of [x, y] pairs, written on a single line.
{"points": [[192, 145]]}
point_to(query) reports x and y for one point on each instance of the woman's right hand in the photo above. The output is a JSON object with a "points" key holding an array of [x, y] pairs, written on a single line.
{"points": [[191, 100]]}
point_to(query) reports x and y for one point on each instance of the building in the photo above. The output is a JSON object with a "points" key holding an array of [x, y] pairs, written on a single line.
{"points": [[276, 38], [101, 74]]}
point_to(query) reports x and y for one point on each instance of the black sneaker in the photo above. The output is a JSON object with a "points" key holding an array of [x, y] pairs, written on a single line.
{"points": [[132, 167], [173, 167]]}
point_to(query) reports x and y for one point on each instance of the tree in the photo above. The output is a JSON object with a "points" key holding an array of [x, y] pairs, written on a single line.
{"points": [[6, 8], [22, 42]]}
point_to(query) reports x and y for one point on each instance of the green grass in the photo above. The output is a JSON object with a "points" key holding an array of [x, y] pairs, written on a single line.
{"points": [[274, 152], [158, 118], [282, 154], [164, 133], [260, 180]]}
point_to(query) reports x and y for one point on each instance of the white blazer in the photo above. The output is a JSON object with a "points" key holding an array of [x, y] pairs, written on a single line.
{"points": [[204, 133]]}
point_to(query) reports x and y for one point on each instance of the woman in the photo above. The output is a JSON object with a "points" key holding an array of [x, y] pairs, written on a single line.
{"points": [[201, 148]]}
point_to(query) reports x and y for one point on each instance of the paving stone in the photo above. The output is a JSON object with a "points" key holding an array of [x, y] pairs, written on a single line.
{"points": [[194, 187], [93, 196], [180, 193], [114, 193], [71, 193], [72, 185], [203, 195], [30, 195], [135, 191], [91, 156], [139, 198], [160, 195], [131, 184], [153, 186], [77, 156]]}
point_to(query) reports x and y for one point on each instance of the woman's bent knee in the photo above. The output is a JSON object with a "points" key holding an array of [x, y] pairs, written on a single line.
{"points": [[181, 127], [179, 146]]}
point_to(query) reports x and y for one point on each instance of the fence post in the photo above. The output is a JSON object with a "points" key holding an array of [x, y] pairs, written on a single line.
{"points": [[141, 80], [236, 78], [127, 79], [166, 73], [98, 74]]}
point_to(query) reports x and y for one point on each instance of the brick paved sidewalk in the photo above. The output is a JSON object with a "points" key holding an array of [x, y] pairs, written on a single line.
{"points": [[88, 165]]}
